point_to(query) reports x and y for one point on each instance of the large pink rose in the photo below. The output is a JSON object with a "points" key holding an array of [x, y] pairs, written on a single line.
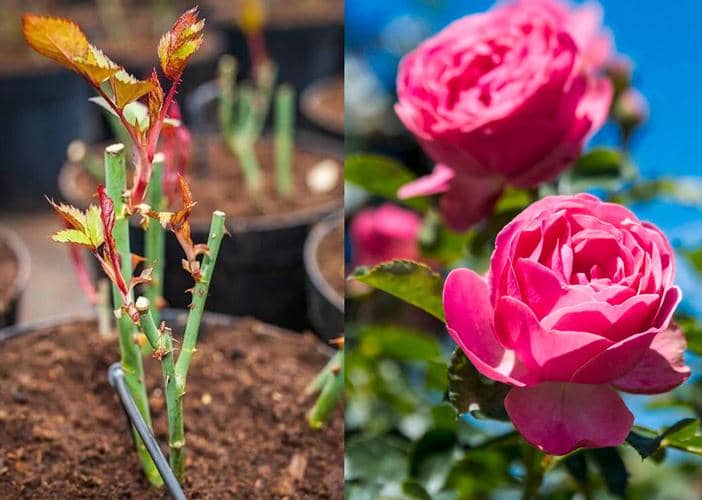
{"points": [[502, 97], [385, 233], [577, 305]]}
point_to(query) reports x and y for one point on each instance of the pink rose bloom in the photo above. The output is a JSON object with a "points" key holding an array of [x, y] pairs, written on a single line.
{"points": [[584, 23], [385, 233], [496, 98], [577, 305]]}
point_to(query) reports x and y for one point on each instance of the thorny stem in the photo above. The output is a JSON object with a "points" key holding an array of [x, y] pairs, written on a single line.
{"points": [[332, 391], [131, 360], [162, 343], [155, 239], [192, 328], [534, 474]]}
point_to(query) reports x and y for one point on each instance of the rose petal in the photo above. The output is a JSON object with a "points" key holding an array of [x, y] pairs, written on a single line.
{"points": [[436, 182], [469, 321], [557, 418], [616, 360], [554, 355], [662, 367]]}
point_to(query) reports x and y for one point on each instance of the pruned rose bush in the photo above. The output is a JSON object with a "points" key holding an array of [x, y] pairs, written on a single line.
{"points": [[508, 96], [577, 305]]}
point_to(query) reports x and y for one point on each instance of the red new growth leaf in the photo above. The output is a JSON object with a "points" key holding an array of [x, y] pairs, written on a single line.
{"points": [[178, 45], [109, 258], [176, 144]]}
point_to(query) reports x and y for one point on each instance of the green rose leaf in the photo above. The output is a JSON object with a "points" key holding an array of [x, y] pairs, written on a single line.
{"points": [[682, 435], [600, 163], [471, 392], [381, 176], [413, 282]]}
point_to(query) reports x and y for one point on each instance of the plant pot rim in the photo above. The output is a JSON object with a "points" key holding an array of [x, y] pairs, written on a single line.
{"points": [[170, 315], [317, 234], [307, 105], [24, 262], [235, 225]]}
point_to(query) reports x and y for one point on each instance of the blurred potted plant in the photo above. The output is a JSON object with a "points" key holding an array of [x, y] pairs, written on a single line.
{"points": [[305, 37]]}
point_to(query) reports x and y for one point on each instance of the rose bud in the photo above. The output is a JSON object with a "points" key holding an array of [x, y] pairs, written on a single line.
{"points": [[385, 233], [577, 304]]}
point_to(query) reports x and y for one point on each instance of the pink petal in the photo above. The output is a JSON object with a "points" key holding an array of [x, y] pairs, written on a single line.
{"points": [[469, 321], [616, 360], [614, 322], [554, 355], [662, 367], [557, 418], [543, 297], [436, 182]]}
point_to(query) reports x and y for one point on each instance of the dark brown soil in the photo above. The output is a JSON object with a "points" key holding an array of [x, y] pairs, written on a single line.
{"points": [[282, 13], [325, 105], [63, 433], [9, 270], [218, 184], [331, 258]]}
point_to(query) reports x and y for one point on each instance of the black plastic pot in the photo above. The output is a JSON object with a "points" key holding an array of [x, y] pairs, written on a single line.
{"points": [[8, 314], [41, 114], [325, 306], [259, 272], [320, 118]]}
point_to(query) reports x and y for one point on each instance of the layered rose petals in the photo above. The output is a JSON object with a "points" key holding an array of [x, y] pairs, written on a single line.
{"points": [[515, 75], [577, 303]]}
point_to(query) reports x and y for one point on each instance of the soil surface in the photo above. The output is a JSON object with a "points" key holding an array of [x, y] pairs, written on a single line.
{"points": [[218, 183], [9, 270], [330, 256], [245, 418], [325, 105]]}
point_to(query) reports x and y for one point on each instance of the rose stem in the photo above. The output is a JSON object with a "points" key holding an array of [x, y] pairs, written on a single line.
{"points": [[319, 380], [192, 327], [330, 395], [284, 139], [162, 343], [131, 360], [155, 238], [534, 473]]}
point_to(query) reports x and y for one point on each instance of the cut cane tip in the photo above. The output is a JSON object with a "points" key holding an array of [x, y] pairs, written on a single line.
{"points": [[142, 304], [114, 149]]}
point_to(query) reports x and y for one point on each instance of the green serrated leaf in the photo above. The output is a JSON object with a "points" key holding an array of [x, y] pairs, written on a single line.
{"points": [[413, 282], [471, 392], [93, 226], [72, 236], [381, 176], [682, 435], [137, 114]]}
